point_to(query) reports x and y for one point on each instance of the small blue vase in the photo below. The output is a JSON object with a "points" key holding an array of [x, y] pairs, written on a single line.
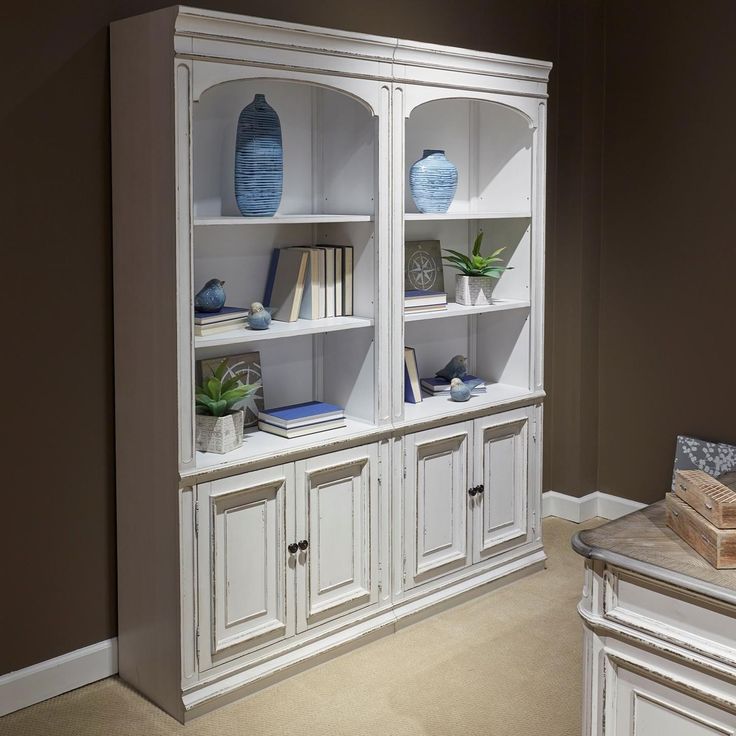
{"points": [[433, 181], [259, 160]]}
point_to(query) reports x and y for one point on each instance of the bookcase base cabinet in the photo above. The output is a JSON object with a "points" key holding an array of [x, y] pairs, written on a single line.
{"points": [[282, 550], [464, 494], [293, 561]]}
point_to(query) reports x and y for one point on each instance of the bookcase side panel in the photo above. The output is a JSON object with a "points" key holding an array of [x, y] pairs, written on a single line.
{"points": [[145, 284]]}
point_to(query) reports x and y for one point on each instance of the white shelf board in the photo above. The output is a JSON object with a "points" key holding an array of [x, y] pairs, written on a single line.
{"points": [[279, 220], [459, 310], [437, 407], [466, 215], [282, 329], [258, 445]]}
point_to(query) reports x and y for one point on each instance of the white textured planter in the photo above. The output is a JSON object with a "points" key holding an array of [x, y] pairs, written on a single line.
{"points": [[471, 291], [219, 434]]}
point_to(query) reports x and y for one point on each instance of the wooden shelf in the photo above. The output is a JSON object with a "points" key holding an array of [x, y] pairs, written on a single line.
{"points": [[440, 407], [282, 329], [279, 220], [466, 215], [259, 445], [458, 310]]}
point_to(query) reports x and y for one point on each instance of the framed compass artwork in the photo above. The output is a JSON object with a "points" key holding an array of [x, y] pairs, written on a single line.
{"points": [[423, 266], [249, 365]]}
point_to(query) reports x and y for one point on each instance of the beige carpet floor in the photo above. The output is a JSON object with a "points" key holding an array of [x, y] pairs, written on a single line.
{"points": [[507, 663]]}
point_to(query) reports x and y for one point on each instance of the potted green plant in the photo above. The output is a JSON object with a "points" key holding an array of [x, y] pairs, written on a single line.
{"points": [[474, 283], [220, 427]]}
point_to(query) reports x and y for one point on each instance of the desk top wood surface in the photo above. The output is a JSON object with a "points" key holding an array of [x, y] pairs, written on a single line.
{"points": [[643, 543]]}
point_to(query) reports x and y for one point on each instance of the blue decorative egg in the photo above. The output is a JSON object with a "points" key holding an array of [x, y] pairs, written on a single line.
{"points": [[433, 181], [259, 318]]}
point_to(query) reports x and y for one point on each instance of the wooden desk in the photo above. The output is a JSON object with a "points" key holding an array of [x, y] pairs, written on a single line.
{"points": [[660, 633]]}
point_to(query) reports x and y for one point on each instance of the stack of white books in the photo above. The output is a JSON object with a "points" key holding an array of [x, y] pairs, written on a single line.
{"points": [[417, 300], [310, 282], [228, 318]]}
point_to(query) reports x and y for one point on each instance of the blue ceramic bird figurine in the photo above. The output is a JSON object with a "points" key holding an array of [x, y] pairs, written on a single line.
{"points": [[459, 391], [456, 368], [258, 317], [211, 298]]}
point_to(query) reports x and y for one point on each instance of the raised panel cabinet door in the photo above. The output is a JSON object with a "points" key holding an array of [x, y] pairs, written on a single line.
{"points": [[666, 704], [246, 582], [500, 478], [337, 533], [436, 530]]}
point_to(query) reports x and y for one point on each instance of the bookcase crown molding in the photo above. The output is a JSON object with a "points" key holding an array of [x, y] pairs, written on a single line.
{"points": [[209, 34]]}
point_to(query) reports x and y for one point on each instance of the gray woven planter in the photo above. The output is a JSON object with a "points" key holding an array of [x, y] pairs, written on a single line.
{"points": [[219, 434], [472, 291]]}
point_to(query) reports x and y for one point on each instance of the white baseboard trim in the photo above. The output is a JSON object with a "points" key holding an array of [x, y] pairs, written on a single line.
{"points": [[56, 676], [587, 507]]}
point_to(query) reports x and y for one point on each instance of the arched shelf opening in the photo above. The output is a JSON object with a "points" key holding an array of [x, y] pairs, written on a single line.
{"points": [[329, 147], [328, 143], [489, 143]]}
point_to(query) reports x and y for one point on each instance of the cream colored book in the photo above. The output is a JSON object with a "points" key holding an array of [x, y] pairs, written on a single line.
{"points": [[288, 284]]}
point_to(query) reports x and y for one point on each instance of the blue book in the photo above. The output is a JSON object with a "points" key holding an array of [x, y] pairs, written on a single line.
{"points": [[415, 299], [271, 277], [442, 385], [415, 293], [301, 415], [225, 314], [412, 389]]}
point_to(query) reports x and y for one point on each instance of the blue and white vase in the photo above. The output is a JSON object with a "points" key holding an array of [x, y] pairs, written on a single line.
{"points": [[433, 181], [259, 160]]}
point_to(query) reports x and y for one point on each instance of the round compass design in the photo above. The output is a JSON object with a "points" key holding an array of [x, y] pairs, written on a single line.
{"points": [[421, 270]]}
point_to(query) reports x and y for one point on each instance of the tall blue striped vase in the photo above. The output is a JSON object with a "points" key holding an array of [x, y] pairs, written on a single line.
{"points": [[259, 160], [433, 181]]}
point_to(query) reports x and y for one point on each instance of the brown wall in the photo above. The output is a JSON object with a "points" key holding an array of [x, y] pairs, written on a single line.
{"points": [[668, 256], [58, 532], [571, 365], [661, 199]]}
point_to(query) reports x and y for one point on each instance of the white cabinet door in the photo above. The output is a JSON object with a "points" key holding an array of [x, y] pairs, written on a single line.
{"points": [[644, 707], [245, 582], [436, 530], [500, 481], [337, 531]]}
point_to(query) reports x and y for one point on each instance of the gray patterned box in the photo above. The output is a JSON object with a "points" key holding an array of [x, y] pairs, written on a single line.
{"points": [[715, 458]]}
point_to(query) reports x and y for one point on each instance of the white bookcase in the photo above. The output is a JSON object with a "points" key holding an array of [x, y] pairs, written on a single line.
{"points": [[410, 505]]}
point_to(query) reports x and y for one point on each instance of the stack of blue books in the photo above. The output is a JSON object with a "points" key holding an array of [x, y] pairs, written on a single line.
{"points": [[298, 420]]}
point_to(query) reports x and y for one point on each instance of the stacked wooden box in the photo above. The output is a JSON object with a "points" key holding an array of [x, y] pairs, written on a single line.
{"points": [[702, 511]]}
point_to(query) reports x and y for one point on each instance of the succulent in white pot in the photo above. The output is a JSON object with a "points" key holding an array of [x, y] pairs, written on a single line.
{"points": [[219, 427], [474, 283]]}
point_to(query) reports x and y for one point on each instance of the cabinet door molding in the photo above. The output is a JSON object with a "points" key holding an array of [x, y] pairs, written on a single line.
{"points": [[643, 700], [337, 515], [436, 532], [500, 465], [245, 581]]}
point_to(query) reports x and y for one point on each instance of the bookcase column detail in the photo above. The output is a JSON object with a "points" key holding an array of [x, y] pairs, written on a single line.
{"points": [[539, 175], [385, 258], [396, 270], [184, 255]]}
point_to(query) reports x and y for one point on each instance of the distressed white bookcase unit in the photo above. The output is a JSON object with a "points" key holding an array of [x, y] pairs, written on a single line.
{"points": [[212, 604]]}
